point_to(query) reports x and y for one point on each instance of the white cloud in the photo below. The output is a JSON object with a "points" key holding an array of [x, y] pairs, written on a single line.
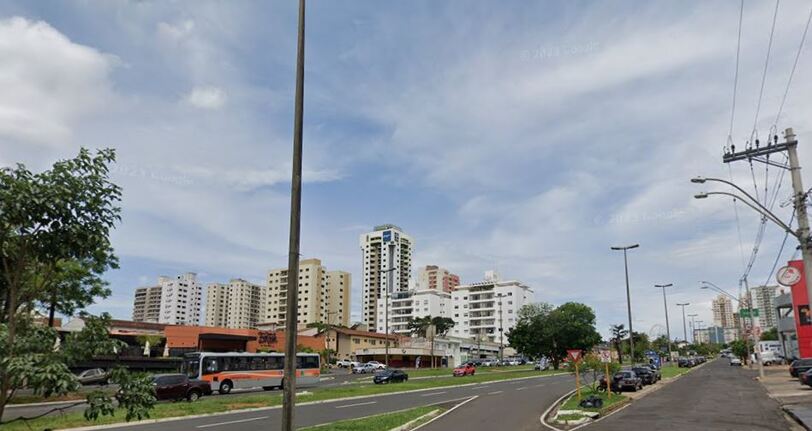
{"points": [[48, 82], [206, 97]]}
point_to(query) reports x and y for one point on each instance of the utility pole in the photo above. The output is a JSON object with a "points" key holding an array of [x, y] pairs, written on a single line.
{"points": [[667, 326], [628, 296], [693, 327], [799, 201], [684, 328], [501, 329], [292, 312], [387, 297]]}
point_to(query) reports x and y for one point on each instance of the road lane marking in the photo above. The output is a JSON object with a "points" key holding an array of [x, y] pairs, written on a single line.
{"points": [[433, 393], [445, 412], [495, 392], [538, 386], [356, 405], [522, 388], [232, 422]]}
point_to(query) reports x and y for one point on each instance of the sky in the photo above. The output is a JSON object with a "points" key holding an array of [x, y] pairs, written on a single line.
{"points": [[526, 137]]}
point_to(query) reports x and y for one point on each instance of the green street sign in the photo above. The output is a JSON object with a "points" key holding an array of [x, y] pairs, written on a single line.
{"points": [[745, 312]]}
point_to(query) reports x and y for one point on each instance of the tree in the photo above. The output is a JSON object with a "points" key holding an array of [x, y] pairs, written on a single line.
{"points": [[619, 332], [546, 331], [591, 368], [740, 349], [770, 335], [641, 345], [442, 324], [419, 326], [54, 247]]}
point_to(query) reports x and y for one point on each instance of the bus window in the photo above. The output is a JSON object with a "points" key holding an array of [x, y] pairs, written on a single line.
{"points": [[257, 363], [275, 363], [210, 366], [307, 362]]}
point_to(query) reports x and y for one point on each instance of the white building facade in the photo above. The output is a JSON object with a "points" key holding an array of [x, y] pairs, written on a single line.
{"points": [[489, 308], [234, 305], [180, 300], [407, 305], [387, 261]]}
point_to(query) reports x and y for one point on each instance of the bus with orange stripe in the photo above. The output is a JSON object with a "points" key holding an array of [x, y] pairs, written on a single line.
{"points": [[227, 371]]}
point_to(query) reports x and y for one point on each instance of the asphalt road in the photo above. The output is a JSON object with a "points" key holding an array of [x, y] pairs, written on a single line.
{"points": [[509, 405], [714, 397]]}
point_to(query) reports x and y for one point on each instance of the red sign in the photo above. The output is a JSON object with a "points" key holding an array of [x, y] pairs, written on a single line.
{"points": [[574, 355], [803, 317]]}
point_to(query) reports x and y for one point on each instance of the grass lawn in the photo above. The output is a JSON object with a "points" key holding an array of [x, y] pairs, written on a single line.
{"points": [[446, 372], [673, 371], [376, 423], [572, 402], [215, 403]]}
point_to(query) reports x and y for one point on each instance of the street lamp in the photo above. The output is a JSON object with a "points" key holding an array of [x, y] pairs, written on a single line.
{"points": [[684, 328], [628, 295], [501, 329], [667, 326], [693, 327], [386, 300]]}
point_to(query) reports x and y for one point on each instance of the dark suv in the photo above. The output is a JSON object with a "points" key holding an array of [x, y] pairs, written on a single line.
{"points": [[623, 380], [646, 375], [800, 366], [178, 387]]}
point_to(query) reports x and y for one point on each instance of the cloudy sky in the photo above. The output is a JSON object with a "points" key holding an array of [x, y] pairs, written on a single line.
{"points": [[527, 138]]}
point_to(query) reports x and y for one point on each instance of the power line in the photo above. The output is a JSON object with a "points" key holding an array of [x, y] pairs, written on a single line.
{"points": [[736, 73], [794, 65], [780, 251], [766, 64]]}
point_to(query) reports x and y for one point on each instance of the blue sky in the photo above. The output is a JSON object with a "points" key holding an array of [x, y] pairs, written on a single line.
{"points": [[526, 137]]}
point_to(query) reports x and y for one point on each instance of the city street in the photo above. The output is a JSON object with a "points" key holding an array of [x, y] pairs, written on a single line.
{"points": [[714, 397], [519, 403]]}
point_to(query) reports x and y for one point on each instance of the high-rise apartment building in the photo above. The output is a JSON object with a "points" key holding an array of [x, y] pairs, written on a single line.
{"points": [[237, 304], [723, 312], [174, 301], [387, 260], [180, 300], [489, 308], [433, 277], [407, 305], [764, 302], [147, 304], [324, 296]]}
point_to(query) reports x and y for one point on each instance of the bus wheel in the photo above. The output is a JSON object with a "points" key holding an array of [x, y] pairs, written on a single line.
{"points": [[225, 387]]}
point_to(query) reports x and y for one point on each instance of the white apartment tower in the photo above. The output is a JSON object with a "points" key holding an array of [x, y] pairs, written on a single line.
{"points": [[407, 305], [324, 296], [180, 300], [236, 305], [484, 310], [147, 304], [723, 312], [764, 298], [387, 260]]}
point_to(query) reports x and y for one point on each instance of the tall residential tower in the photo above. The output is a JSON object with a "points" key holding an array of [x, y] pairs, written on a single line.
{"points": [[387, 260]]}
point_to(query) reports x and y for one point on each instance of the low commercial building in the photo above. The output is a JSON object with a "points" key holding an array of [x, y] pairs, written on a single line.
{"points": [[416, 353], [411, 304], [347, 343]]}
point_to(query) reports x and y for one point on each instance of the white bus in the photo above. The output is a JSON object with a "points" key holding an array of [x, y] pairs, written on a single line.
{"points": [[226, 371]]}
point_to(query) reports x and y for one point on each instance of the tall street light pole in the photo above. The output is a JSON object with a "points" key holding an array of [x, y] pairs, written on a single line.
{"points": [[667, 326], [501, 329], [386, 299], [628, 294], [289, 382], [684, 327], [693, 327]]}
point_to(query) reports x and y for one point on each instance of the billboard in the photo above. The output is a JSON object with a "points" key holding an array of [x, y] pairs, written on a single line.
{"points": [[387, 235]]}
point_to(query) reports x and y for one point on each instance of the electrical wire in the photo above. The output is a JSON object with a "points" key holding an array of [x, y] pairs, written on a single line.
{"points": [[766, 64], [736, 73], [794, 66], [780, 251]]}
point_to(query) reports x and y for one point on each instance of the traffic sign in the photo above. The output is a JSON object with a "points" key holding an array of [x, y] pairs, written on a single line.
{"points": [[788, 275], [606, 356], [574, 354]]}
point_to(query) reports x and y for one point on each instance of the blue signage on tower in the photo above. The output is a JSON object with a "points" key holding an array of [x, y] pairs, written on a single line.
{"points": [[387, 235]]}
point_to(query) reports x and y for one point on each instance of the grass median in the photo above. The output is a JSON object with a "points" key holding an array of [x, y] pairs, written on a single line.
{"points": [[217, 404], [673, 371], [378, 422]]}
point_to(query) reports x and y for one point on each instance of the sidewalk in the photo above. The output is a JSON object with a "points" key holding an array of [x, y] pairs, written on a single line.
{"points": [[795, 399]]}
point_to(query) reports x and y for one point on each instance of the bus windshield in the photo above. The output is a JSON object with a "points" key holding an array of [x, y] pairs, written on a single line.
{"points": [[191, 367]]}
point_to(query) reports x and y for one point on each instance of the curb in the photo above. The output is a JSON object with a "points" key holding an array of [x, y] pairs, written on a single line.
{"points": [[795, 417], [445, 412], [307, 403], [408, 425]]}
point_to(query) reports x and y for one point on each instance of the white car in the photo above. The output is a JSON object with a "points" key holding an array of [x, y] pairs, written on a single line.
{"points": [[377, 365], [735, 362], [346, 363], [364, 369]]}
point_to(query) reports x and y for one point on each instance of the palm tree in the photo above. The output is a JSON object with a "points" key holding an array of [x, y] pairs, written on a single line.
{"points": [[619, 332]]}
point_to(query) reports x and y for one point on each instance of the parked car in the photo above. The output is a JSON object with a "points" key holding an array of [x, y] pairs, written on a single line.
{"points": [[364, 368], [464, 370], [658, 375], [93, 376], [647, 376], [541, 365], [178, 387], [623, 380], [489, 363], [346, 363], [805, 378], [390, 376], [799, 366], [377, 365], [735, 362]]}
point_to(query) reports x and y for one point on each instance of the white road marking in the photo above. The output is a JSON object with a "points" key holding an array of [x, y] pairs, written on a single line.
{"points": [[232, 422], [538, 386], [433, 393], [522, 388], [495, 392], [355, 405]]}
